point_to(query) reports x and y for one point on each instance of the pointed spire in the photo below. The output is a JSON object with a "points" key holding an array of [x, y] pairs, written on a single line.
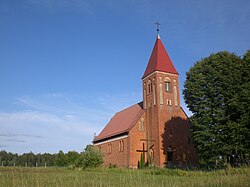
{"points": [[159, 60], [158, 36]]}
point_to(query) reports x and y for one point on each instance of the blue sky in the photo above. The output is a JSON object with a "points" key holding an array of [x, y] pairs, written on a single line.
{"points": [[66, 66]]}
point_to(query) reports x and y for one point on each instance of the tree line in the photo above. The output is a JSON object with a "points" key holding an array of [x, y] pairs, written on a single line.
{"points": [[90, 157]]}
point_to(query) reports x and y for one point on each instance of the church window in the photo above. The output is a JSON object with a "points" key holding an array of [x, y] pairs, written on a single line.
{"points": [[149, 86], [168, 84], [141, 125], [154, 94], [144, 100], [175, 96], [169, 103], [161, 95], [121, 146], [109, 148]]}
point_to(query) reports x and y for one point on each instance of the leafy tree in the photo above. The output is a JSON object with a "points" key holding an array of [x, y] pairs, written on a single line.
{"points": [[61, 159], [217, 90], [72, 157], [90, 157]]}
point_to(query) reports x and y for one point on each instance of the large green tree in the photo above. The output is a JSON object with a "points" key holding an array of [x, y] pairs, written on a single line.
{"points": [[217, 91]]}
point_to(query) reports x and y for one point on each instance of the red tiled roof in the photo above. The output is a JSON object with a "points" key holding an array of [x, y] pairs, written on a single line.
{"points": [[159, 60], [122, 122]]}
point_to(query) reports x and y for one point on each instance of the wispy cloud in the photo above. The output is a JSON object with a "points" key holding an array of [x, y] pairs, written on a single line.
{"points": [[59, 121]]}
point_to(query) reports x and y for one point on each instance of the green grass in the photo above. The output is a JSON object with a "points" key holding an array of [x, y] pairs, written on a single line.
{"points": [[20, 176]]}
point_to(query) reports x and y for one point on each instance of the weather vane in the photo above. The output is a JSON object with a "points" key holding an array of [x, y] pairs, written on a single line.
{"points": [[158, 27]]}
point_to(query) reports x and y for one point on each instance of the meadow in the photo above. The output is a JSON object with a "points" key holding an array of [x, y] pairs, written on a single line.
{"points": [[102, 177]]}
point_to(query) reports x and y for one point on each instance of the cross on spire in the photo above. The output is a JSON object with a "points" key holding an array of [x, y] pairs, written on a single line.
{"points": [[157, 27]]}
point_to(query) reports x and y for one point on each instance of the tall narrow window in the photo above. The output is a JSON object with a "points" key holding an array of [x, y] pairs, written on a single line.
{"points": [[109, 148], [142, 124], [149, 86], [121, 146], [175, 96], [154, 94], [167, 84], [161, 95], [144, 100]]}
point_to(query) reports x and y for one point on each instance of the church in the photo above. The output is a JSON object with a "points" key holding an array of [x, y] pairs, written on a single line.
{"points": [[155, 130]]}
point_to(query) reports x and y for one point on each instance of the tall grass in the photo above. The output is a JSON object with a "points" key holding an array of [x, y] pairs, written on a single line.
{"points": [[103, 177]]}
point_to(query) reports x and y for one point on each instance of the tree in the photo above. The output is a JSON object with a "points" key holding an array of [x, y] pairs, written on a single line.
{"points": [[90, 157], [72, 157], [217, 90], [61, 159]]}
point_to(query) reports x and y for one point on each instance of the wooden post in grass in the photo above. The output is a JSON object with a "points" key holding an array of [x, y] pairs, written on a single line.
{"points": [[45, 165]]}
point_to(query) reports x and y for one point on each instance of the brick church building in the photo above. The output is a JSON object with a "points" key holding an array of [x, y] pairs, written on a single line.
{"points": [[156, 129]]}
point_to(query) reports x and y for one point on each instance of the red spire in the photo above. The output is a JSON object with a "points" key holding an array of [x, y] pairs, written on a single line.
{"points": [[159, 60]]}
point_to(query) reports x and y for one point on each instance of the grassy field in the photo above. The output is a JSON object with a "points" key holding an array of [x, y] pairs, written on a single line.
{"points": [[20, 176]]}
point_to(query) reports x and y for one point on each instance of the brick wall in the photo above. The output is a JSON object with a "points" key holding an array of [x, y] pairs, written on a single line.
{"points": [[116, 156]]}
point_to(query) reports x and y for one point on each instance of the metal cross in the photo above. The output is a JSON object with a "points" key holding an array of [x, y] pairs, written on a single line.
{"points": [[158, 27]]}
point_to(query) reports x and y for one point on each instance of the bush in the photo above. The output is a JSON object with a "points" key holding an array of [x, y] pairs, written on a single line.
{"points": [[90, 157]]}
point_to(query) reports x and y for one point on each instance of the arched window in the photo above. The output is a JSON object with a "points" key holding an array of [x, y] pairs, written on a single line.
{"points": [[175, 96], [154, 94], [139, 125], [149, 86], [169, 103], [121, 145], [142, 124], [145, 100], [161, 95], [167, 84], [109, 148]]}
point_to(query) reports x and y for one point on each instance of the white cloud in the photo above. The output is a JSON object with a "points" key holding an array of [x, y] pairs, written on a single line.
{"points": [[58, 121]]}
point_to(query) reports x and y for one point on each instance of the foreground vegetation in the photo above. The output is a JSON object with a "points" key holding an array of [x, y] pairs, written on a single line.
{"points": [[25, 176]]}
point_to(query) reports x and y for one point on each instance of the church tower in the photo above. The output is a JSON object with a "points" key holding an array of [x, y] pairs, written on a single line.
{"points": [[161, 99]]}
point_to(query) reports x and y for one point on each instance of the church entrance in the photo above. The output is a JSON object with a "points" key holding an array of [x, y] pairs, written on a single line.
{"points": [[170, 157]]}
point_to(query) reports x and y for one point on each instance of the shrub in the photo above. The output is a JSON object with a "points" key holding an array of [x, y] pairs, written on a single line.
{"points": [[90, 157]]}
